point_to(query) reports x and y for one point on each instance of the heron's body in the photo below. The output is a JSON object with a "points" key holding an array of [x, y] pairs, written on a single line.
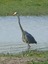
{"points": [[28, 38]]}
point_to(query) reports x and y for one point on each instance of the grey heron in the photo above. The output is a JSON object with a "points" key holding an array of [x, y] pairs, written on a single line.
{"points": [[26, 37]]}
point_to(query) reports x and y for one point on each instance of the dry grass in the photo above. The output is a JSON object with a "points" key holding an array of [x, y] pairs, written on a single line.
{"points": [[22, 60]]}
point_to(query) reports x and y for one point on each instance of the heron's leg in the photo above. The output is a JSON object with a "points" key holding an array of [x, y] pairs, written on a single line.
{"points": [[28, 46]]}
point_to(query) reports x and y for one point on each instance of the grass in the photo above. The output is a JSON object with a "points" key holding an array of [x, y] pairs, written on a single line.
{"points": [[27, 57], [32, 62], [41, 54], [24, 7]]}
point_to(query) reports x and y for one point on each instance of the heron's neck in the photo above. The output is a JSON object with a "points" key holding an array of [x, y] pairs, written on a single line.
{"points": [[20, 23]]}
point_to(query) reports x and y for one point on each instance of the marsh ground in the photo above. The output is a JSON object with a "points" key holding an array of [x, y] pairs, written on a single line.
{"points": [[32, 57]]}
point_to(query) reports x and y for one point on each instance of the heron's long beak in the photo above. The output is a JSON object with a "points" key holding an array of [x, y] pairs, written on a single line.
{"points": [[14, 13]]}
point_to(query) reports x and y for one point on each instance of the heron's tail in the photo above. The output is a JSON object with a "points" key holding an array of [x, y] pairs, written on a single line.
{"points": [[20, 24]]}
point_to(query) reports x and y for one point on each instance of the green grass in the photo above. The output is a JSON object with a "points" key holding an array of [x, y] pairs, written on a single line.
{"points": [[24, 7], [39, 54], [32, 62]]}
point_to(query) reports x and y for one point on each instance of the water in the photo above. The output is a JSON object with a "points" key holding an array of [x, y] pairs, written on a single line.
{"points": [[11, 36]]}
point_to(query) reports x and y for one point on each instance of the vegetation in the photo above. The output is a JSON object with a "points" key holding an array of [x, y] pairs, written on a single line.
{"points": [[24, 7], [28, 57]]}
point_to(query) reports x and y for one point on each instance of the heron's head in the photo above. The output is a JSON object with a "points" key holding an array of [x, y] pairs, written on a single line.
{"points": [[15, 13]]}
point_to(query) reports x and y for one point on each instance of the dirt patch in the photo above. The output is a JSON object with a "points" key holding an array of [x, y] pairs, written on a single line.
{"points": [[22, 60]]}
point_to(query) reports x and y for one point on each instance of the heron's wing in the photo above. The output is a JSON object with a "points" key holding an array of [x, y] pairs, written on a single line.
{"points": [[30, 37]]}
